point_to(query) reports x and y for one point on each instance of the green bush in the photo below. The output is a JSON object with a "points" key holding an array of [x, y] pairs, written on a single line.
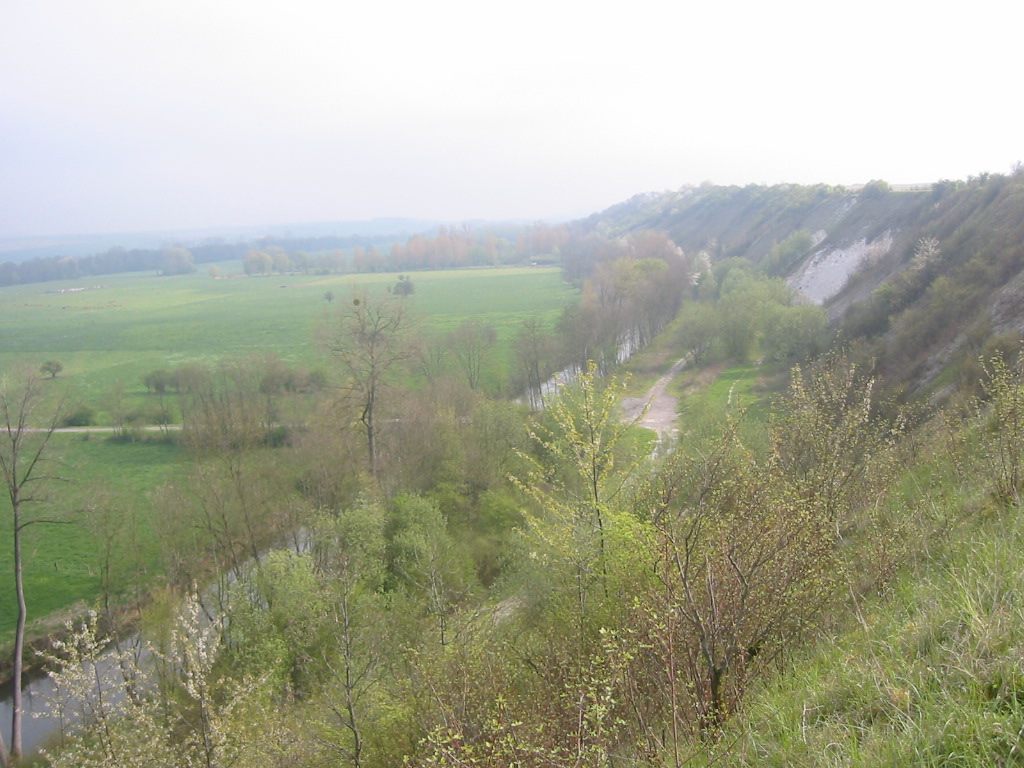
{"points": [[81, 416]]}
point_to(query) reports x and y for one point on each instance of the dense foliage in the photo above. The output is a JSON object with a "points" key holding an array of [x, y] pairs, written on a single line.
{"points": [[397, 568]]}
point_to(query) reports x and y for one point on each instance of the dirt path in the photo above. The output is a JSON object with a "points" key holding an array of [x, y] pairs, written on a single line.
{"points": [[104, 430], [661, 415]]}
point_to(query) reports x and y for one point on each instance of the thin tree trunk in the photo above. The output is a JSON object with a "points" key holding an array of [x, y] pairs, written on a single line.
{"points": [[371, 435], [18, 465], [350, 685], [19, 638]]}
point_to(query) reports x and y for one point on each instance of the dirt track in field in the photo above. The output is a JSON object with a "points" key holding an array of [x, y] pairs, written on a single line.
{"points": [[661, 413]]}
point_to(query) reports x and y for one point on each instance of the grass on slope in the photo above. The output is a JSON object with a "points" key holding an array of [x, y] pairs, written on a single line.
{"points": [[931, 675], [927, 668]]}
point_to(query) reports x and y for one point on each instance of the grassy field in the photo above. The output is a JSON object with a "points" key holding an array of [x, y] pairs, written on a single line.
{"points": [[121, 327], [97, 477], [118, 328]]}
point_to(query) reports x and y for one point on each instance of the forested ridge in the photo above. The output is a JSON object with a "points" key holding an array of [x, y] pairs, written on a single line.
{"points": [[397, 567], [937, 278]]}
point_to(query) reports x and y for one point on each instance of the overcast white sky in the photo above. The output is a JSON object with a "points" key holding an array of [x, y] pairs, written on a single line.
{"points": [[128, 115]]}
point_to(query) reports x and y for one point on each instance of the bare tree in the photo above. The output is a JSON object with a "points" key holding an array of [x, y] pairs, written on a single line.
{"points": [[22, 450], [369, 338], [471, 342], [532, 348]]}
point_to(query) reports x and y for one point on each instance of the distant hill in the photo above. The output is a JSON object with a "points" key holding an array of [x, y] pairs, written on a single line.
{"points": [[922, 278]]}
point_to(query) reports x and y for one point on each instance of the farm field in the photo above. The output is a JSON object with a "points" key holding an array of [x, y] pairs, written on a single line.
{"points": [[121, 327], [115, 329], [99, 479]]}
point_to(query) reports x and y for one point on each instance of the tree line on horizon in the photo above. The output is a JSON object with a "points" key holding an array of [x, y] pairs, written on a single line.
{"points": [[450, 248]]}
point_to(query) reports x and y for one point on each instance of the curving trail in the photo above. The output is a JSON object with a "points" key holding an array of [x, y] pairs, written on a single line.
{"points": [[661, 413]]}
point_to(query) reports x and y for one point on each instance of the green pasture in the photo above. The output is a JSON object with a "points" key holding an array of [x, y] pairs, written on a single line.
{"points": [[103, 488], [121, 327], [117, 328]]}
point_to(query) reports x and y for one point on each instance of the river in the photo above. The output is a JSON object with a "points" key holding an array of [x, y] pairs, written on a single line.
{"points": [[35, 730]]}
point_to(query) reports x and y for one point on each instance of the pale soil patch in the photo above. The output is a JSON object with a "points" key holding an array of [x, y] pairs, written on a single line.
{"points": [[827, 271]]}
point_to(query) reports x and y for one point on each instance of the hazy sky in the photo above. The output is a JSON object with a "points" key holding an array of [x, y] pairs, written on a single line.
{"points": [[119, 115]]}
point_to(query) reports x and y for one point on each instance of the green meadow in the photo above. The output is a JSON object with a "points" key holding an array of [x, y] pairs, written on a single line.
{"points": [[121, 327], [115, 329], [99, 481]]}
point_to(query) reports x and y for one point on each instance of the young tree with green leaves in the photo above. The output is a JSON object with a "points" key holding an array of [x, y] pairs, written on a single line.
{"points": [[576, 481], [829, 444], [24, 448], [51, 368], [429, 562], [349, 550]]}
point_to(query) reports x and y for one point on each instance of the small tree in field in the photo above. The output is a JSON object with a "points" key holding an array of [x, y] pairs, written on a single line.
{"points": [[51, 368]]}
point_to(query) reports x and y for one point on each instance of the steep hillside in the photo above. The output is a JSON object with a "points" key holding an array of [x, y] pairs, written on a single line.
{"points": [[922, 277], [748, 222]]}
